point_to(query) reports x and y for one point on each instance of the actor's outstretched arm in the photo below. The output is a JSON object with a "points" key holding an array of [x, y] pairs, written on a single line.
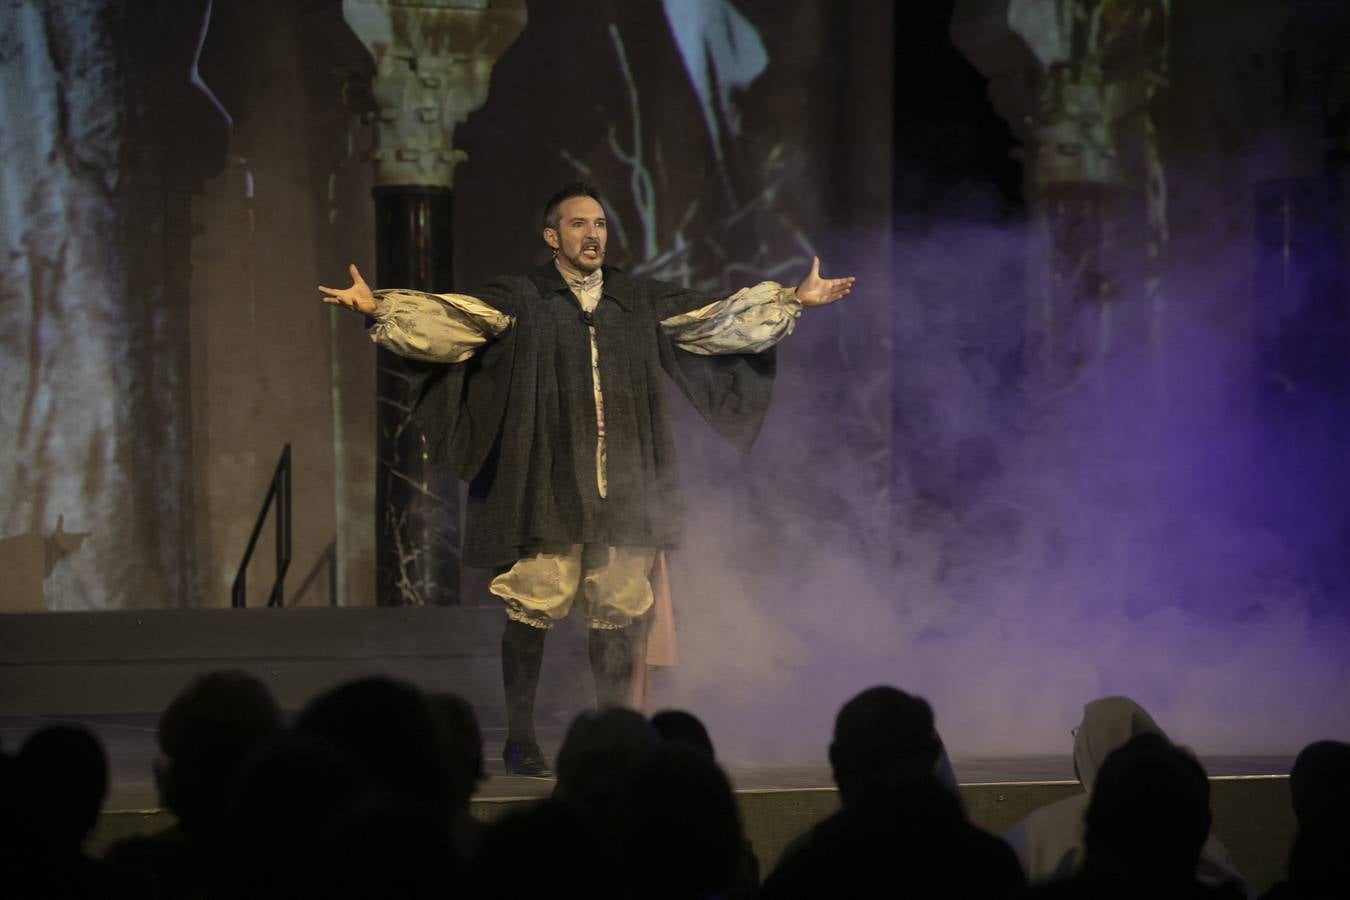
{"points": [[752, 319], [446, 328]]}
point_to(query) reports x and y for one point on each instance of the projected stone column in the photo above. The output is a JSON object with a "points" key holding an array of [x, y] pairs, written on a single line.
{"points": [[432, 62], [1076, 80]]}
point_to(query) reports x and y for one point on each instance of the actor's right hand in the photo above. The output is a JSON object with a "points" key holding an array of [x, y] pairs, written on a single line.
{"points": [[357, 297]]}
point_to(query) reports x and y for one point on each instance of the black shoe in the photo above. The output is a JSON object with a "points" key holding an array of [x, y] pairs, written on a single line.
{"points": [[525, 758]]}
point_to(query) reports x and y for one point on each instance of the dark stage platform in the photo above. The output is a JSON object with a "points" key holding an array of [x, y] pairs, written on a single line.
{"points": [[116, 670]]}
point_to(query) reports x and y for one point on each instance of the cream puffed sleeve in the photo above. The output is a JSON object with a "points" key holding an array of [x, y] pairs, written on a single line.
{"points": [[445, 328], [749, 321]]}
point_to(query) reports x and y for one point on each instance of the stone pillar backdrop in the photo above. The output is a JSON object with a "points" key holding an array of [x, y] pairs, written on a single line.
{"points": [[432, 61], [1187, 313], [1077, 81]]}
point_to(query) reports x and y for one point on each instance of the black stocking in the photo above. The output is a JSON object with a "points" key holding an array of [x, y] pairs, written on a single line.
{"points": [[522, 654], [611, 651]]}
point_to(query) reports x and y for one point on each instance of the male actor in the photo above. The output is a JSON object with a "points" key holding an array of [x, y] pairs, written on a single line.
{"points": [[556, 415]]}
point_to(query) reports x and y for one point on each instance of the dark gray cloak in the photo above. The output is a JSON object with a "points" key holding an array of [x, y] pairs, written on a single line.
{"points": [[517, 420]]}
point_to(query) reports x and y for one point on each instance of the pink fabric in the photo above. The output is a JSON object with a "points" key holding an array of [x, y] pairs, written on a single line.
{"points": [[661, 631], [656, 644]]}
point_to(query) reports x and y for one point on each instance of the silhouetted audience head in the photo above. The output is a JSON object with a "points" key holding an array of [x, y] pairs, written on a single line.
{"points": [[1149, 813], [567, 856], [59, 780], [57, 784], [287, 794], [1051, 842], [369, 796], [598, 752], [381, 848], [900, 831], [678, 828], [389, 728], [883, 738], [680, 727], [463, 745], [204, 736], [1320, 783], [1108, 723]]}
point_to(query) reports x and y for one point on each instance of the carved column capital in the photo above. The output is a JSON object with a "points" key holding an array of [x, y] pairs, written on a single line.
{"points": [[1066, 74], [433, 60], [1076, 80]]}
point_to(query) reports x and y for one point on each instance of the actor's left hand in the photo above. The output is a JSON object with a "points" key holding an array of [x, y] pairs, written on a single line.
{"points": [[817, 291]]}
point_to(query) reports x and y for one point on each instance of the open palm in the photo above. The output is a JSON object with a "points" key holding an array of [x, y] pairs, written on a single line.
{"points": [[817, 291], [357, 297]]}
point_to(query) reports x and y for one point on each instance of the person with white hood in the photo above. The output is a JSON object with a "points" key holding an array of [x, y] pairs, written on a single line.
{"points": [[1049, 842]]}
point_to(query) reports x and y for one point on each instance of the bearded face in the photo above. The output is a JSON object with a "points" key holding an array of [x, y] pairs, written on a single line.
{"points": [[580, 236]]}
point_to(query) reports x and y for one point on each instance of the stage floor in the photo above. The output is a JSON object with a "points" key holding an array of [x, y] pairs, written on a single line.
{"points": [[130, 744]]}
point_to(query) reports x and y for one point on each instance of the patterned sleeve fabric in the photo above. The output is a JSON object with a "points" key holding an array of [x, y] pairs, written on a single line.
{"points": [[444, 328], [749, 321]]}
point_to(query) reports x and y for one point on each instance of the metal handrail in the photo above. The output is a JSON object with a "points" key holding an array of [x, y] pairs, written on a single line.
{"points": [[280, 490]]}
